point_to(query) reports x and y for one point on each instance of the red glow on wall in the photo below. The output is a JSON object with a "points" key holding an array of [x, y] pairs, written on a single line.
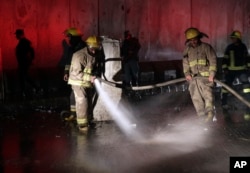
{"points": [[159, 24]]}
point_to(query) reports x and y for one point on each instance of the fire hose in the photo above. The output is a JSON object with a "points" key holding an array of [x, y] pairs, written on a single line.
{"points": [[174, 81], [247, 103]]}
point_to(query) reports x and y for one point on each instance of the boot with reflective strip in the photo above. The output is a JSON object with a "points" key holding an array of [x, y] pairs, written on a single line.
{"points": [[82, 124], [72, 116], [209, 117]]}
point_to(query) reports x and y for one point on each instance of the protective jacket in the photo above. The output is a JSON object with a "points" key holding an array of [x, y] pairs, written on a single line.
{"points": [[71, 51], [81, 68], [236, 57], [200, 61], [235, 63]]}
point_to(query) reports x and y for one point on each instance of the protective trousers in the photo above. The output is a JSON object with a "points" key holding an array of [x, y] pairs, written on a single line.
{"points": [[229, 78], [246, 95], [84, 104], [72, 104], [202, 95]]}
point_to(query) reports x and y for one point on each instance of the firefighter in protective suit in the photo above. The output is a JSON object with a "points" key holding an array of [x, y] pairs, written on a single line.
{"points": [[74, 37], [199, 67], [234, 65], [81, 77], [246, 93]]}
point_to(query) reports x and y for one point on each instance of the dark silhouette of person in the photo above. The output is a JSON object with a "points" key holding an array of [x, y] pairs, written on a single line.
{"points": [[25, 55], [66, 51], [129, 53]]}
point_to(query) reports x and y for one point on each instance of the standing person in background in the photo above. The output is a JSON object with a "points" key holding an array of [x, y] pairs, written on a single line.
{"points": [[75, 42], [235, 63], [129, 53], [82, 73], [66, 51], [25, 55], [199, 67], [66, 54]]}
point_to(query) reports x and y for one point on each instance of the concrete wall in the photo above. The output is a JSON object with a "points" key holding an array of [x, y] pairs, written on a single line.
{"points": [[159, 24]]}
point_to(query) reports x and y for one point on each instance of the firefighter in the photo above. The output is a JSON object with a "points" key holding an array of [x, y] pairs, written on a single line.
{"points": [[234, 65], [246, 93], [74, 38], [81, 77], [199, 67]]}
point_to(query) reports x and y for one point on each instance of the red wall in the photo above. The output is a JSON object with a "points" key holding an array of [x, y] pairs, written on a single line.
{"points": [[159, 24]]}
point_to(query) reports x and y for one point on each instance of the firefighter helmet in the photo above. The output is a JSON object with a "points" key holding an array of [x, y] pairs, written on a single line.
{"points": [[73, 32], [93, 42], [192, 33], [236, 34]]}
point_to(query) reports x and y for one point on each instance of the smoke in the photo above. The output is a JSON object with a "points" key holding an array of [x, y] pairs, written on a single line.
{"points": [[155, 139], [184, 136], [185, 133]]}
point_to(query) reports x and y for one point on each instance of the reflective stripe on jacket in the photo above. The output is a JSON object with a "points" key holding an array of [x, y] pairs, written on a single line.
{"points": [[200, 60], [81, 68], [236, 57]]}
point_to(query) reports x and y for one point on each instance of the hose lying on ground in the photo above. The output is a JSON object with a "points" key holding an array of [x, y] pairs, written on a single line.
{"points": [[117, 85], [233, 92]]}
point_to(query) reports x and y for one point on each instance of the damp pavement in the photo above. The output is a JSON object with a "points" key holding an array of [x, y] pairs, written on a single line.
{"points": [[170, 138]]}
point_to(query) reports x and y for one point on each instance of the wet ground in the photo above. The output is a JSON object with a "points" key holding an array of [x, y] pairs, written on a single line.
{"points": [[166, 137]]}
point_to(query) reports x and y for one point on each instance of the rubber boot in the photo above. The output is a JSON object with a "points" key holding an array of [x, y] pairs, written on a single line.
{"points": [[209, 117], [72, 116], [83, 128], [82, 125]]}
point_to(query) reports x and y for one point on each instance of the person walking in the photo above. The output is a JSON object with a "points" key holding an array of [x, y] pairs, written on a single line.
{"points": [[200, 67], [25, 55], [82, 73], [235, 63], [129, 53]]}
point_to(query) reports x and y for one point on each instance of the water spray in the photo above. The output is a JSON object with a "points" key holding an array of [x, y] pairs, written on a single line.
{"points": [[122, 119], [175, 135]]}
